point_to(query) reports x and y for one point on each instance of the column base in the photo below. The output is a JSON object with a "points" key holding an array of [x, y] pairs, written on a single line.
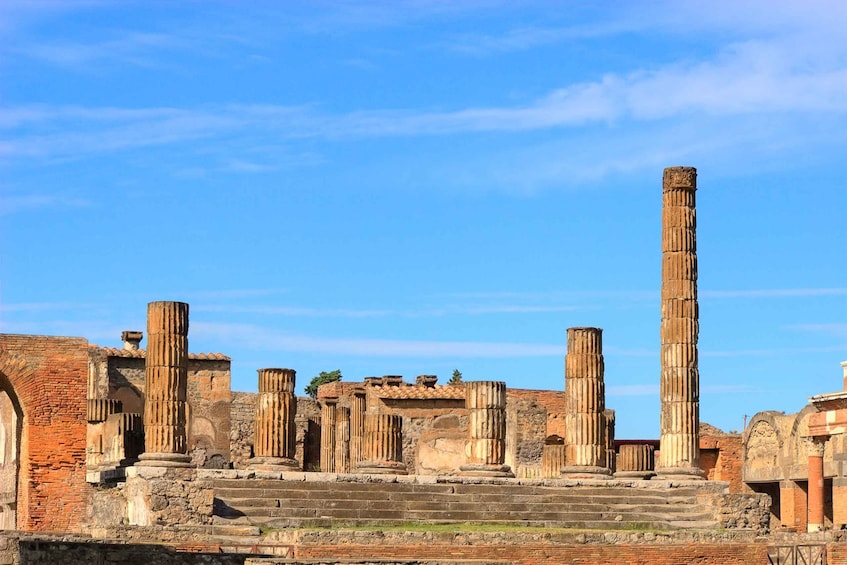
{"points": [[483, 470], [164, 460], [680, 474], [812, 528], [382, 468], [586, 472], [273, 464], [643, 475]]}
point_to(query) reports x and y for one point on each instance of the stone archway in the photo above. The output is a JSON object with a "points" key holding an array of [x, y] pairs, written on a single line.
{"points": [[11, 423]]}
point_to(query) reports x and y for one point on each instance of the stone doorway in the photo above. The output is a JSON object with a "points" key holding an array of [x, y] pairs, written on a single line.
{"points": [[10, 439]]}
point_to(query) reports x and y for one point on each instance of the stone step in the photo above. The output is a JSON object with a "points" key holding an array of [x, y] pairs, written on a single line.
{"points": [[480, 497], [250, 504], [450, 515], [595, 525]]}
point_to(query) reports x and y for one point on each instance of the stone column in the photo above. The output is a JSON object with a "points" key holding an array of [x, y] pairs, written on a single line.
{"points": [[383, 448], [328, 427], [166, 384], [342, 441], [635, 461], [357, 427], [815, 446], [680, 378], [609, 436], [584, 405], [552, 460], [485, 453], [276, 409]]}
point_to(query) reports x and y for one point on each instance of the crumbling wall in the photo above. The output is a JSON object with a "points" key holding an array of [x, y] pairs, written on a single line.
{"points": [[208, 417], [158, 496], [526, 428], [242, 421]]}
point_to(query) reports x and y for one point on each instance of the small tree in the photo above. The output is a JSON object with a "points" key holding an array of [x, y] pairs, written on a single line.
{"points": [[456, 379], [322, 379]]}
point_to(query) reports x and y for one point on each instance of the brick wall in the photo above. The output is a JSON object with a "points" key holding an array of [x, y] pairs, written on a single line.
{"points": [[721, 457], [552, 400], [48, 376]]}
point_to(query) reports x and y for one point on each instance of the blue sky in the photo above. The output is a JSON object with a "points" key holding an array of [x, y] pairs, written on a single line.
{"points": [[413, 187]]}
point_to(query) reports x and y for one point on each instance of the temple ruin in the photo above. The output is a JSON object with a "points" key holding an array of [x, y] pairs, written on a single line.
{"points": [[147, 455]]}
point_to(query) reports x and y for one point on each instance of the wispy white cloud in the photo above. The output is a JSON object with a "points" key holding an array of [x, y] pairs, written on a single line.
{"points": [[836, 329], [303, 311], [653, 389], [257, 337], [774, 293], [20, 203], [769, 352], [41, 306]]}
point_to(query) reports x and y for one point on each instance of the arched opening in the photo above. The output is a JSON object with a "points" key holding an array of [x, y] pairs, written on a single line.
{"points": [[11, 426]]}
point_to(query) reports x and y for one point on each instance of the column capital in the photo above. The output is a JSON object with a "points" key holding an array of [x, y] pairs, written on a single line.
{"points": [[815, 445]]}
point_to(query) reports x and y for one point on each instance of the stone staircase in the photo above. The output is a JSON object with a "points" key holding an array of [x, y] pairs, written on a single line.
{"points": [[276, 503]]}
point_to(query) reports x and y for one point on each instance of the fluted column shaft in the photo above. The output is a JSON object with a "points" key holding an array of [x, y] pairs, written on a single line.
{"points": [[609, 436], [680, 378], [342, 441], [485, 452], [328, 429], [635, 461], [585, 424], [357, 428], [276, 408], [552, 460], [383, 447], [166, 385]]}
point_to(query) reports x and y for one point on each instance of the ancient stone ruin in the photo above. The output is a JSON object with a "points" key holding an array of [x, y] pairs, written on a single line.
{"points": [[146, 455]]}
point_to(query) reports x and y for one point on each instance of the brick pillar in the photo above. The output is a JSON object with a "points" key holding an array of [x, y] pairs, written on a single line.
{"points": [[383, 447], [584, 405], [276, 433], [328, 428], [485, 452], [815, 446], [166, 386], [552, 460], [342, 441], [636, 461], [609, 436], [680, 378], [791, 496], [357, 427], [839, 503]]}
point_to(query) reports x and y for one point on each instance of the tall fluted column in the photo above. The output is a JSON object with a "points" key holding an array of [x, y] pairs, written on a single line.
{"points": [[383, 449], [329, 412], [815, 505], [357, 427], [609, 436], [166, 386], [485, 453], [584, 405], [342, 441], [635, 461], [680, 379], [276, 408]]}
